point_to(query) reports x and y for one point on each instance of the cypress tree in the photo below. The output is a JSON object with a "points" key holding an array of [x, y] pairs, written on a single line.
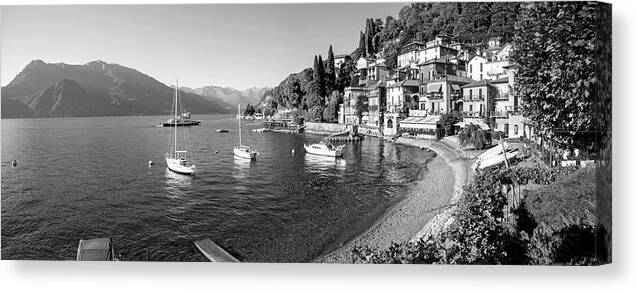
{"points": [[321, 74], [361, 45], [330, 72], [369, 35]]}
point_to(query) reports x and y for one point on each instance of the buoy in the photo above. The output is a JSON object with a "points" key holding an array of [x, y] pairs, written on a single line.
{"points": [[14, 163], [292, 151], [216, 152], [150, 163]]}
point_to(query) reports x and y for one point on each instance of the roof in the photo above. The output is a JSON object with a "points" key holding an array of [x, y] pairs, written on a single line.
{"points": [[376, 85], [420, 122], [481, 83], [341, 56], [442, 60], [405, 83], [501, 80]]}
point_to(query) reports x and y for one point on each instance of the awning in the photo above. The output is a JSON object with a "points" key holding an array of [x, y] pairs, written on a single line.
{"points": [[433, 88], [429, 122], [455, 87]]}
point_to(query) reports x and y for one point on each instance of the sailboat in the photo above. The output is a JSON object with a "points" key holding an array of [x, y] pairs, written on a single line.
{"points": [[243, 151], [177, 160]]}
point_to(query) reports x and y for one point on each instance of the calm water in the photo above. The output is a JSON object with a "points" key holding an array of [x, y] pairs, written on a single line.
{"points": [[81, 178]]}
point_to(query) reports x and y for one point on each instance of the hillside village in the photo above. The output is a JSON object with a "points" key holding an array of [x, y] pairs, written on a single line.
{"points": [[432, 79]]}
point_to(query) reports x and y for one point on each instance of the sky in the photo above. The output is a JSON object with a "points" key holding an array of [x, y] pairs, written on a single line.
{"points": [[238, 46]]}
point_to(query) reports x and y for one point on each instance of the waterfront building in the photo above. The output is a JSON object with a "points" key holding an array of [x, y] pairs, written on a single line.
{"points": [[401, 97], [347, 110], [377, 101], [442, 94], [476, 70], [477, 99]]}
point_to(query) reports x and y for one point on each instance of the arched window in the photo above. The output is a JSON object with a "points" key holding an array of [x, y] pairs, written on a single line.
{"points": [[390, 123], [423, 106]]}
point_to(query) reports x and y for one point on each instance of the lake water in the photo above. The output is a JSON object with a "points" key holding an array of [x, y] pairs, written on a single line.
{"points": [[80, 178]]}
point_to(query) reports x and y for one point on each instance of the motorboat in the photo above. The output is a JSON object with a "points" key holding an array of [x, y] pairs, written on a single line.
{"points": [[324, 148], [181, 120]]}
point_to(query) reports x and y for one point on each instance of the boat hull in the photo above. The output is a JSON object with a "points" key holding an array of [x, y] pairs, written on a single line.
{"points": [[245, 154], [176, 166], [323, 152], [497, 160], [186, 123]]}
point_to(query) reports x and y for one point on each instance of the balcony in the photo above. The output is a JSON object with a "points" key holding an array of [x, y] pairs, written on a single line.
{"points": [[472, 114], [502, 97], [473, 98], [500, 114], [434, 96]]}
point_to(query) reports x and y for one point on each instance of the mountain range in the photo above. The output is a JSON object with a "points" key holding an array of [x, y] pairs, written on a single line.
{"points": [[230, 95], [105, 89]]}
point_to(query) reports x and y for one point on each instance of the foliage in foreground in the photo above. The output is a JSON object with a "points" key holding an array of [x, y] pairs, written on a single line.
{"points": [[480, 234]]}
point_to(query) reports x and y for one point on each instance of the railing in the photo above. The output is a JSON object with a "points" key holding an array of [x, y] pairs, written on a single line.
{"points": [[472, 114], [434, 96], [502, 97], [414, 112], [500, 114], [473, 98]]}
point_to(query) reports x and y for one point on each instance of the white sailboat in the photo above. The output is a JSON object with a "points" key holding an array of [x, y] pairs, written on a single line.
{"points": [[243, 151], [177, 160]]}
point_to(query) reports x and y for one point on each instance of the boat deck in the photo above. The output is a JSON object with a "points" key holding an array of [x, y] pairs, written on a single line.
{"points": [[213, 251]]}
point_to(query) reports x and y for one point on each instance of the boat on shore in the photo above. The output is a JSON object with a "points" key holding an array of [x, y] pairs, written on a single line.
{"points": [[324, 148], [244, 151], [176, 159], [221, 130], [497, 160], [181, 120]]}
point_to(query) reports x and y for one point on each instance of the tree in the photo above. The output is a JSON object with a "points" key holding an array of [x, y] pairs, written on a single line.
{"points": [[473, 135], [321, 74], [360, 106], [330, 72], [448, 120], [330, 113], [557, 48], [362, 47], [249, 110]]}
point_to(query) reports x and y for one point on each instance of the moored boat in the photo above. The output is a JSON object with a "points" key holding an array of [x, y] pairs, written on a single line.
{"points": [[181, 120], [324, 148], [177, 160], [244, 151]]}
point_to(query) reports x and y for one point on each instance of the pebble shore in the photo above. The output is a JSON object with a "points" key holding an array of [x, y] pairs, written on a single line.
{"points": [[428, 204]]}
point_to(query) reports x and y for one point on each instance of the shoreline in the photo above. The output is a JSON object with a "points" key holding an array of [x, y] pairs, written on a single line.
{"points": [[423, 211]]}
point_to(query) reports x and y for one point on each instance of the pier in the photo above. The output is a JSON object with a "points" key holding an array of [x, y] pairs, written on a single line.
{"points": [[213, 251]]}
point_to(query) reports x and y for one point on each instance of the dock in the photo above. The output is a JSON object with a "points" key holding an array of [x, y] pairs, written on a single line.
{"points": [[213, 251]]}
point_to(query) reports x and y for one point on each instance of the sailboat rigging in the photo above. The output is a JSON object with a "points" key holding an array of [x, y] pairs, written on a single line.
{"points": [[177, 160], [243, 151]]}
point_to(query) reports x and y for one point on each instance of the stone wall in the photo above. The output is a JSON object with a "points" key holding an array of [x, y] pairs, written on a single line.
{"points": [[326, 128]]}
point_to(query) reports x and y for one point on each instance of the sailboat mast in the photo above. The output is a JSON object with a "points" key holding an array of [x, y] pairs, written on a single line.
{"points": [[239, 114], [175, 118]]}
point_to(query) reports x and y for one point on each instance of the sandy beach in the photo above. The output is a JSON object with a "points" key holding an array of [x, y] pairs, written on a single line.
{"points": [[426, 207]]}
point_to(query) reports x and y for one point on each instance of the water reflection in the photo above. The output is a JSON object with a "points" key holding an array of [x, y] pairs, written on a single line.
{"points": [[242, 167], [177, 184], [316, 163]]}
